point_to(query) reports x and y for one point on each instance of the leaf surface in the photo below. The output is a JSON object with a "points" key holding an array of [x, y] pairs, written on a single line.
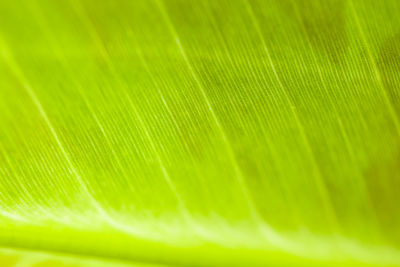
{"points": [[201, 133]]}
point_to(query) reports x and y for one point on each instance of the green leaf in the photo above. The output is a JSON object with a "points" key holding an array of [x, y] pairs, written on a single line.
{"points": [[200, 132]]}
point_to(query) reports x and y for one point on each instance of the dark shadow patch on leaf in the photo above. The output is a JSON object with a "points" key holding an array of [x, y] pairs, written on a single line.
{"points": [[389, 67], [324, 23]]}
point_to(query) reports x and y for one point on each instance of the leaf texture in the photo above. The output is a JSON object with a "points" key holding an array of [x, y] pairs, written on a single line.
{"points": [[201, 132]]}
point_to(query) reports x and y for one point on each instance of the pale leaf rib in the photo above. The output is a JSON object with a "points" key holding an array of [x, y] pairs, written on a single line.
{"points": [[9, 60], [343, 132], [271, 234], [205, 233], [377, 74], [42, 22], [317, 172], [225, 139], [89, 26], [259, 110]]}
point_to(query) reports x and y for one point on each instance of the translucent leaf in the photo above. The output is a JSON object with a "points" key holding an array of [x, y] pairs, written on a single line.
{"points": [[200, 132]]}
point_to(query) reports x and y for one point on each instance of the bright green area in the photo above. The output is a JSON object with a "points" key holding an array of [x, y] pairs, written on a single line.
{"points": [[23, 258], [202, 132]]}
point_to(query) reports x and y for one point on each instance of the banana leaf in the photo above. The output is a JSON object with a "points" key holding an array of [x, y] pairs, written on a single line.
{"points": [[199, 133]]}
